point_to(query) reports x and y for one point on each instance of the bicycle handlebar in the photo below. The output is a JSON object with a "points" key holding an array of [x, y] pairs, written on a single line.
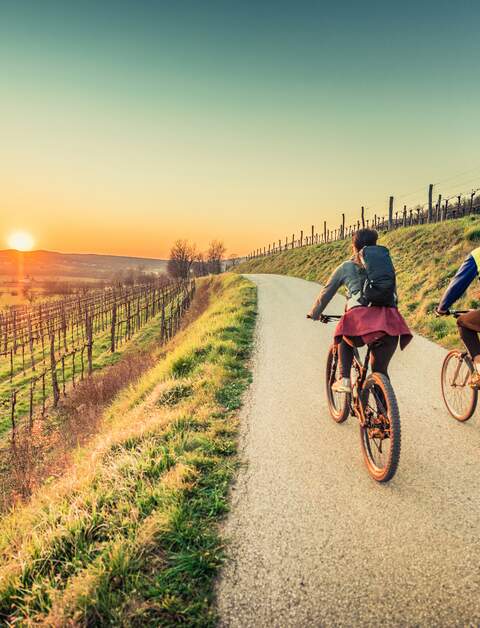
{"points": [[327, 318], [455, 313]]}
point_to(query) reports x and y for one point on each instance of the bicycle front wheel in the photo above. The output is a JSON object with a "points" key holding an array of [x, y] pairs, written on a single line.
{"points": [[459, 397], [380, 436], [338, 403]]}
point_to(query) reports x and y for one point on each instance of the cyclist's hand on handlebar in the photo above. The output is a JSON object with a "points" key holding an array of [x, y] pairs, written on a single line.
{"points": [[441, 312], [324, 319]]}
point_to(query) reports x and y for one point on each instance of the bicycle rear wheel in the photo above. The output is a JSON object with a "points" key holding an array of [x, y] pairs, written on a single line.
{"points": [[459, 397], [338, 403], [380, 437]]}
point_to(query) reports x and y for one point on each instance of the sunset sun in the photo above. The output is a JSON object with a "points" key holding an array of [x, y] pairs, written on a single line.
{"points": [[20, 240]]}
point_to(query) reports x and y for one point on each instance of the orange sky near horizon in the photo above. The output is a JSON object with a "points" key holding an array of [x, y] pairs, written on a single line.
{"points": [[126, 126]]}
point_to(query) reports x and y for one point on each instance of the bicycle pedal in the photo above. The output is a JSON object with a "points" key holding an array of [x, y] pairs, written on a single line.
{"points": [[378, 433]]}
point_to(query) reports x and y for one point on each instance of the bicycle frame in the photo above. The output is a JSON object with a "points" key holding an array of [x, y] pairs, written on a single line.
{"points": [[453, 383], [463, 355], [356, 408], [362, 371]]}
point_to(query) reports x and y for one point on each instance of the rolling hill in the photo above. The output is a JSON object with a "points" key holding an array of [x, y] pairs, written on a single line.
{"points": [[60, 265]]}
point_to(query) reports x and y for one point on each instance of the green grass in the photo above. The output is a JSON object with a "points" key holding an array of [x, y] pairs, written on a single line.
{"points": [[426, 257], [129, 536]]}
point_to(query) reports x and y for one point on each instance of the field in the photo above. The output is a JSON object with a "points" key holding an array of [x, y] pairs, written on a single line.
{"points": [[27, 277], [128, 536], [46, 346], [426, 257]]}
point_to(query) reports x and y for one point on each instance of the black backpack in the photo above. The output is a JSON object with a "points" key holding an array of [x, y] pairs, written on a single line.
{"points": [[379, 285]]}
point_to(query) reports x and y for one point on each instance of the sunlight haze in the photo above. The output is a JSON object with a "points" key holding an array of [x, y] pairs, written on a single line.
{"points": [[127, 125]]}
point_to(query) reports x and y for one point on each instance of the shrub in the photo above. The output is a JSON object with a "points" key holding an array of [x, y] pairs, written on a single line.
{"points": [[473, 234], [174, 394]]}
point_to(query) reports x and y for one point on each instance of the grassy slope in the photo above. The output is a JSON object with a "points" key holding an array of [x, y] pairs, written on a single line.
{"points": [[129, 536], [426, 257]]}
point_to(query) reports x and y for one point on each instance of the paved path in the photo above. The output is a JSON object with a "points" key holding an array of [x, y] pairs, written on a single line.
{"points": [[315, 541]]}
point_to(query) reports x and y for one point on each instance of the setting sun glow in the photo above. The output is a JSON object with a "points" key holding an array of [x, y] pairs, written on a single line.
{"points": [[20, 240]]}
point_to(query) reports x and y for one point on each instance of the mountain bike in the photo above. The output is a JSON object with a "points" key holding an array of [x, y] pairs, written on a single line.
{"points": [[373, 402], [459, 397]]}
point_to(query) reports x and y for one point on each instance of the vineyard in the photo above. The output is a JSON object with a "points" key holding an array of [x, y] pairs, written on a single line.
{"points": [[48, 347]]}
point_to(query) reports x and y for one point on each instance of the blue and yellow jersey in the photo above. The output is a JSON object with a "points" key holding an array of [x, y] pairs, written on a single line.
{"points": [[463, 278]]}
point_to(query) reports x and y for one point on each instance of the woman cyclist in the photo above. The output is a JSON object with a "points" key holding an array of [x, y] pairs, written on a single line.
{"points": [[469, 323], [379, 326]]}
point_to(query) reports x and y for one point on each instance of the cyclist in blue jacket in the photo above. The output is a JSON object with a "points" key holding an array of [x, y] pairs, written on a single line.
{"points": [[469, 323]]}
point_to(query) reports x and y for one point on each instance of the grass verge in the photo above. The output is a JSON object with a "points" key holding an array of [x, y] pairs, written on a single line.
{"points": [[129, 535], [426, 257]]}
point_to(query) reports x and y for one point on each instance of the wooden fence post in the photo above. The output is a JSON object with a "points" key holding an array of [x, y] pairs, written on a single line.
{"points": [[363, 217], [53, 370], [390, 213], [313, 233], [324, 230], [114, 327], [301, 238], [430, 202], [343, 227], [89, 324]]}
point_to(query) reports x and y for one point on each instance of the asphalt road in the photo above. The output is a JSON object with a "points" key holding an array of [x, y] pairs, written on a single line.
{"points": [[314, 540]]}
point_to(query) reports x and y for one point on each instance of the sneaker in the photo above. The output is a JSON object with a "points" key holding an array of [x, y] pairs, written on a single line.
{"points": [[475, 379], [342, 385]]}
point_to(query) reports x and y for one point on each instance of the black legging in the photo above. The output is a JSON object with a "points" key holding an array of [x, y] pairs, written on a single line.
{"points": [[382, 352]]}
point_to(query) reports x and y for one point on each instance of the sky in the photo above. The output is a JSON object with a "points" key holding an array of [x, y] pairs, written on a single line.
{"points": [[126, 125]]}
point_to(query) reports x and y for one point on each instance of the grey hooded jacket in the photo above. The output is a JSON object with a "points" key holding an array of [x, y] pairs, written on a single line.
{"points": [[348, 274]]}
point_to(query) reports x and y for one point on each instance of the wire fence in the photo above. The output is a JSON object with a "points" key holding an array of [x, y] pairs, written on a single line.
{"points": [[47, 347], [433, 211]]}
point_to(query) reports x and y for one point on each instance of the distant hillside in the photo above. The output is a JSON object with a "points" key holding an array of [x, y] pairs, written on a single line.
{"points": [[59, 265]]}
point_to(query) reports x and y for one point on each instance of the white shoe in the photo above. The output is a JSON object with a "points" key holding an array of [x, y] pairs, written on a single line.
{"points": [[342, 385]]}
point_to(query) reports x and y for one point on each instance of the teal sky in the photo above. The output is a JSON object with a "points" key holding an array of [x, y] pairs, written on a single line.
{"points": [[127, 125]]}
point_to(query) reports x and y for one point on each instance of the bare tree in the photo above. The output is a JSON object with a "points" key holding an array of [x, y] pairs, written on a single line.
{"points": [[182, 256], [200, 267], [215, 254]]}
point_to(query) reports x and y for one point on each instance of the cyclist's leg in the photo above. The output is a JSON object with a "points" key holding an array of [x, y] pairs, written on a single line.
{"points": [[382, 352], [468, 328], [345, 351], [470, 340]]}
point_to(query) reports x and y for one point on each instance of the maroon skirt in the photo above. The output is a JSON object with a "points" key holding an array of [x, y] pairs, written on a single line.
{"points": [[371, 323]]}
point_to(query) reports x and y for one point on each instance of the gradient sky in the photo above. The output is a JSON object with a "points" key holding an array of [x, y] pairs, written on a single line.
{"points": [[125, 125]]}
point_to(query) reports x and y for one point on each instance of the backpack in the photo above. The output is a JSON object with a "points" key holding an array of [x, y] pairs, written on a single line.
{"points": [[379, 286]]}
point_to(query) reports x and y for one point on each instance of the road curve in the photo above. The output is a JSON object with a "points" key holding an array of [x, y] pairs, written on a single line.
{"points": [[313, 540]]}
